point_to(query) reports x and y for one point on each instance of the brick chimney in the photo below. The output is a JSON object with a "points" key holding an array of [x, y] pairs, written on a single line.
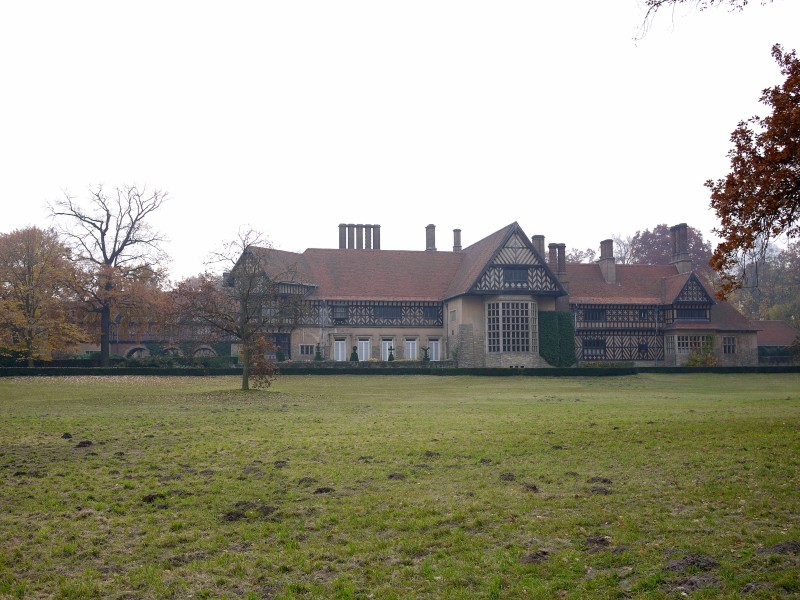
{"points": [[376, 237], [538, 244], [607, 263], [680, 248], [430, 238], [456, 240], [552, 257], [366, 237]]}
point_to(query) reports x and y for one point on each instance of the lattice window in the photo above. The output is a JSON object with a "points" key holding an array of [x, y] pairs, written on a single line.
{"points": [[431, 313], [729, 345], [340, 312], [510, 326], [306, 349], [594, 314], [515, 276], [388, 312], [594, 349], [692, 313], [690, 343]]}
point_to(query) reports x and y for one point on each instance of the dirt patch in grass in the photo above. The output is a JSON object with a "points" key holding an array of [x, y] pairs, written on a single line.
{"points": [[597, 543], [693, 583], [151, 498], [534, 558], [507, 477], [789, 547], [397, 476], [603, 480], [700, 562], [247, 510], [324, 490]]}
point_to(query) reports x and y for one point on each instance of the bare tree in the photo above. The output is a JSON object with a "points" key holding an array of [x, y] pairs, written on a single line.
{"points": [[115, 246], [623, 249], [654, 6], [249, 301]]}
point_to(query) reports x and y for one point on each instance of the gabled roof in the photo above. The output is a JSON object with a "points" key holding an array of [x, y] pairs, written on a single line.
{"points": [[481, 255], [358, 274], [474, 259], [350, 274], [776, 333], [381, 274]]}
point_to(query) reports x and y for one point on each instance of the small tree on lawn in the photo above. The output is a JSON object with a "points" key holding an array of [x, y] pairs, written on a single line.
{"points": [[244, 303]]}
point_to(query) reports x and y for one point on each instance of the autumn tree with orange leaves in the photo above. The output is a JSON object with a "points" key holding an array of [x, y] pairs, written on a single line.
{"points": [[37, 278], [759, 200]]}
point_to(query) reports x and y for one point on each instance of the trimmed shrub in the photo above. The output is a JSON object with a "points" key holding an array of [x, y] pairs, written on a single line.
{"points": [[557, 338]]}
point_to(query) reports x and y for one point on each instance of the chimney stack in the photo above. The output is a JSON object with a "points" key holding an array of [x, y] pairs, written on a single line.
{"points": [[607, 262], [358, 237], [538, 244], [561, 264], [456, 240], [680, 248], [552, 257], [376, 237], [430, 238]]}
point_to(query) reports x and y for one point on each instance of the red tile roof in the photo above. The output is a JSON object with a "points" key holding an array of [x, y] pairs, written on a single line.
{"points": [[776, 333], [636, 284]]}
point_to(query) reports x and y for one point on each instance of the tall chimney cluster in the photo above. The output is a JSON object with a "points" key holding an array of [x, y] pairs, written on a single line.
{"points": [[359, 237]]}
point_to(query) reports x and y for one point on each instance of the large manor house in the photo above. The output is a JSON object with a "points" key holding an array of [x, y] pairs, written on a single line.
{"points": [[482, 306]]}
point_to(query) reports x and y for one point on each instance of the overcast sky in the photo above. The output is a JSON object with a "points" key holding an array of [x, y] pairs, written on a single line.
{"points": [[293, 117]]}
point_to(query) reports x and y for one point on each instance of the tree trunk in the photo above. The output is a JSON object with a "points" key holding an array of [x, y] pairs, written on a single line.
{"points": [[245, 367], [105, 337]]}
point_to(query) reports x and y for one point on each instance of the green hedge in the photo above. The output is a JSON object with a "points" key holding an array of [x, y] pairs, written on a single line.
{"points": [[557, 338]]}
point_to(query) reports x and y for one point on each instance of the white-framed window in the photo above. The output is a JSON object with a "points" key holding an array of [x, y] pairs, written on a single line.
{"points": [[729, 344], [435, 349], [387, 346], [340, 350], [364, 349], [511, 326], [306, 350], [410, 349]]}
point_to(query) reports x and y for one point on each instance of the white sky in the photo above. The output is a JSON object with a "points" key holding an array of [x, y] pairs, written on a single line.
{"points": [[296, 116]]}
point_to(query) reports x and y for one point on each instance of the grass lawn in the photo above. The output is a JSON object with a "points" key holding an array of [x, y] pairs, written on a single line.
{"points": [[648, 486]]}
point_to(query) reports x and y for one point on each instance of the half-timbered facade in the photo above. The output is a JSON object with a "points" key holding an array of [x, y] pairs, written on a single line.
{"points": [[480, 305]]}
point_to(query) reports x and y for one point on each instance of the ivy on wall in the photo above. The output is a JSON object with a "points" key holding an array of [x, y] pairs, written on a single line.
{"points": [[557, 338]]}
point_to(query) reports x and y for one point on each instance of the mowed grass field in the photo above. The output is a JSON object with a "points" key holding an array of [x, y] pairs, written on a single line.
{"points": [[648, 486]]}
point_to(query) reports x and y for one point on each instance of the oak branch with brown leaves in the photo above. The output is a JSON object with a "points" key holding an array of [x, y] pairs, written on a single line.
{"points": [[759, 200]]}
